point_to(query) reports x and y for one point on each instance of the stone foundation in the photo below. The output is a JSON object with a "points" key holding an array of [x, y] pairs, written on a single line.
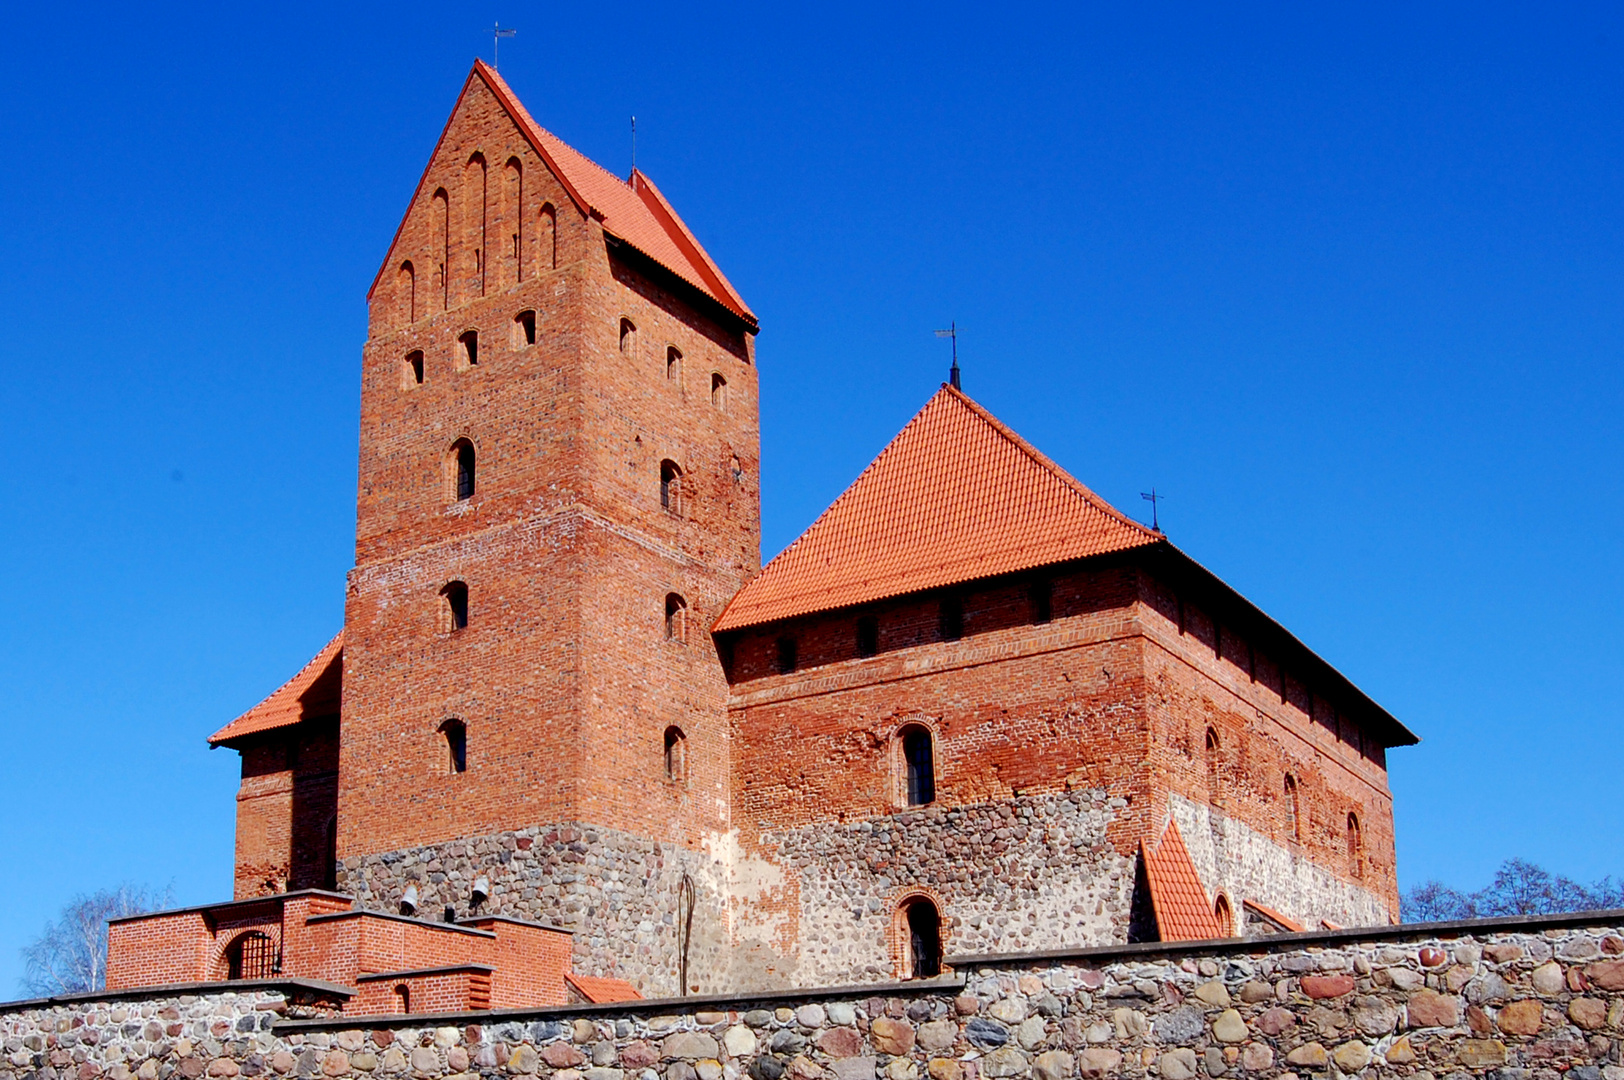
{"points": [[1025, 873], [1499, 999], [618, 893], [1238, 860]]}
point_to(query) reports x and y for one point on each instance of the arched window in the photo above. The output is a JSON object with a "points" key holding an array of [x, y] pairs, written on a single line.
{"points": [[469, 340], [918, 766], [628, 336], [442, 238], [673, 364], [670, 487], [1223, 916], [1356, 846], [676, 755], [547, 238], [1293, 811], [718, 391], [788, 654], [676, 618], [1213, 771], [455, 595], [462, 454], [411, 373], [403, 999], [922, 927], [455, 733], [251, 956], [524, 329], [513, 215], [406, 286], [868, 635], [950, 618]]}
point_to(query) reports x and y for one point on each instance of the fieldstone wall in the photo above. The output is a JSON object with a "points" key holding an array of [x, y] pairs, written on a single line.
{"points": [[1234, 858], [1496, 1000], [616, 891], [1021, 874]]}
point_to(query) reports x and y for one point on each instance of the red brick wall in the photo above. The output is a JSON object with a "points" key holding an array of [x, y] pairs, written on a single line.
{"points": [[159, 950], [442, 991], [563, 676], [530, 961], [285, 809]]}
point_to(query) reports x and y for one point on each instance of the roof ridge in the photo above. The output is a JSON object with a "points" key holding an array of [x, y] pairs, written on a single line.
{"points": [[1043, 460]]}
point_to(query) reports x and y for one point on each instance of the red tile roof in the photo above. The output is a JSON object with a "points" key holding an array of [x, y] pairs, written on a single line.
{"points": [[313, 692], [596, 989], [632, 210], [1274, 916], [1176, 895], [956, 496]]}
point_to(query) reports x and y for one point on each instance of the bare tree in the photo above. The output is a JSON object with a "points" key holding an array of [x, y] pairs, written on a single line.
{"points": [[70, 954], [1519, 888]]}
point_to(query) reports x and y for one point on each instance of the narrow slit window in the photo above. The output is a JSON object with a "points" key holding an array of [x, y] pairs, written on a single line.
{"points": [[718, 391], [412, 373], [524, 329], [463, 462], [628, 336], [470, 347], [1293, 829], [673, 365], [919, 766], [676, 755], [787, 658], [1224, 916], [1356, 846], [670, 487], [403, 999], [868, 636], [950, 618], [1213, 753], [676, 618], [456, 746], [456, 605]]}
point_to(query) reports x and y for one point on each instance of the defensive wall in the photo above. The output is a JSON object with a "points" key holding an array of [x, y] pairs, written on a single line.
{"points": [[1508, 999]]}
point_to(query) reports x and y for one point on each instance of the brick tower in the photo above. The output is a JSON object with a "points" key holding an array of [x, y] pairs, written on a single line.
{"points": [[558, 463]]}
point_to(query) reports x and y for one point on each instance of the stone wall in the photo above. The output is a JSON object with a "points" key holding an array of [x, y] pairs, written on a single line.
{"points": [[1499, 999], [618, 893], [1027, 872], [1236, 859]]}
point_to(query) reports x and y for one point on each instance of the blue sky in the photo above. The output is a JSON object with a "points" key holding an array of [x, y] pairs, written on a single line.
{"points": [[1343, 283]]}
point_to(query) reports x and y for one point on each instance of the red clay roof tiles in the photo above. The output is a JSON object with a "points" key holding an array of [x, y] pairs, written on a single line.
{"points": [[597, 989], [1176, 895], [1274, 916], [634, 210], [313, 692], [955, 496]]}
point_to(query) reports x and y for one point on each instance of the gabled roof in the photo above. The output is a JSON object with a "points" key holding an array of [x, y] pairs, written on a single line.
{"points": [[633, 211], [1176, 895], [955, 496], [1273, 916], [597, 989], [313, 692]]}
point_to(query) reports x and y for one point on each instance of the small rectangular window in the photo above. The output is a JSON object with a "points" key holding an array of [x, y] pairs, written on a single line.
{"points": [[868, 636], [951, 620], [524, 329], [786, 655], [1042, 600], [470, 347]]}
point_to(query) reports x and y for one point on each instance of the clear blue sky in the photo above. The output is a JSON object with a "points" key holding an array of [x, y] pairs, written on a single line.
{"points": [[1344, 283]]}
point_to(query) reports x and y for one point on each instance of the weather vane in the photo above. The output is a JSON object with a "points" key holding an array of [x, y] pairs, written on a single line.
{"points": [[952, 331], [496, 45], [1152, 498]]}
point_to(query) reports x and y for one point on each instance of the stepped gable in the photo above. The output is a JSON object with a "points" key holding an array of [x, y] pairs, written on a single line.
{"points": [[632, 211], [1176, 895], [313, 692], [956, 496]]}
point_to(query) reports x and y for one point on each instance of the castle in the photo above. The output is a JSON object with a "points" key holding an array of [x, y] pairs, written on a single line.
{"points": [[573, 740]]}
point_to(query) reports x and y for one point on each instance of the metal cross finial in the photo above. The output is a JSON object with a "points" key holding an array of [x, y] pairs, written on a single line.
{"points": [[497, 35], [952, 331], [634, 143], [1152, 498]]}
